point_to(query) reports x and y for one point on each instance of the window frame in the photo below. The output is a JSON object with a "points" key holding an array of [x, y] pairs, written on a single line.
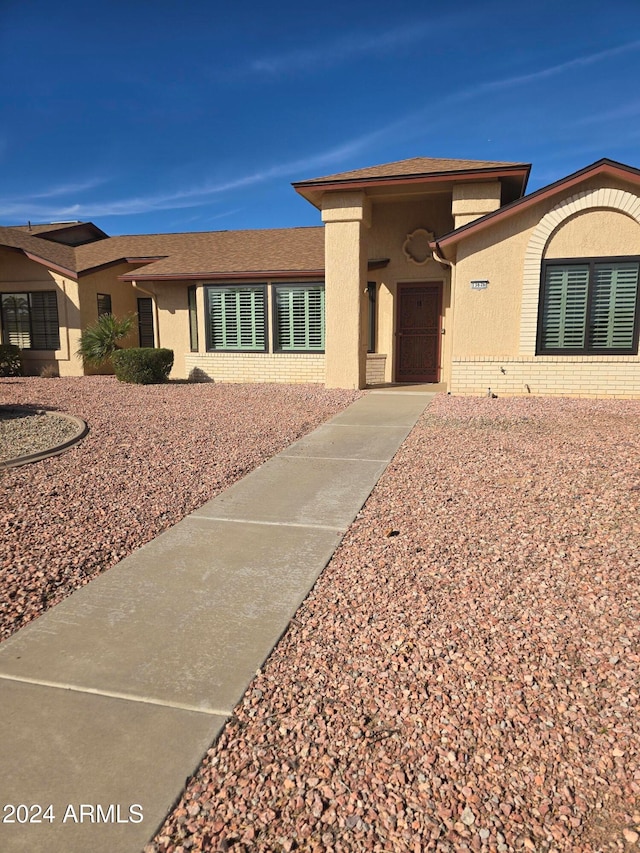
{"points": [[146, 323], [372, 311], [260, 287], [277, 348], [100, 297], [192, 308], [591, 262], [30, 294]]}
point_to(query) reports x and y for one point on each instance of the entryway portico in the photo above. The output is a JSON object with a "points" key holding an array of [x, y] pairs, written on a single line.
{"points": [[380, 224]]}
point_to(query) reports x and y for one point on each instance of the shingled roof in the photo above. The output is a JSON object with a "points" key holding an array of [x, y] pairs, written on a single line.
{"points": [[72, 233], [212, 254], [414, 167], [55, 255], [208, 254]]}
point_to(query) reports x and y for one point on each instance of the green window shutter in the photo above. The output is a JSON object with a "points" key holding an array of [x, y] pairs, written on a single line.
{"points": [[564, 309], [237, 318], [613, 306], [300, 317]]}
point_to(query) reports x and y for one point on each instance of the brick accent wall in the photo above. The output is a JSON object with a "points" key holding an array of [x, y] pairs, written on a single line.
{"points": [[256, 367], [375, 368], [578, 376]]}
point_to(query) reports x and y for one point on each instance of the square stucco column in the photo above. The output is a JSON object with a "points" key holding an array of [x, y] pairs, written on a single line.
{"points": [[346, 217]]}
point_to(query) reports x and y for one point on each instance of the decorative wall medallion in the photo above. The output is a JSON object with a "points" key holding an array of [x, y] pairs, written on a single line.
{"points": [[416, 246]]}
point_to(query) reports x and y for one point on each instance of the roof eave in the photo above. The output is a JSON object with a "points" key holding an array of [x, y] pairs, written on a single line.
{"points": [[311, 189], [222, 276], [50, 265]]}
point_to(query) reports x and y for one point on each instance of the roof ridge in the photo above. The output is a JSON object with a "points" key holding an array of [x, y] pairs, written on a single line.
{"points": [[220, 231]]}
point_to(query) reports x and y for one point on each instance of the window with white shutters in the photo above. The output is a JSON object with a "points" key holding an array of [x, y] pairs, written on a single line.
{"points": [[236, 317], [589, 306], [299, 319]]}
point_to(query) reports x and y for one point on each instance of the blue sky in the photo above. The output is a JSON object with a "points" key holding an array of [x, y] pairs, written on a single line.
{"points": [[152, 116]]}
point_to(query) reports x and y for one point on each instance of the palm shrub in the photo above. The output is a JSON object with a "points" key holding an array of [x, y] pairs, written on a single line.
{"points": [[100, 341]]}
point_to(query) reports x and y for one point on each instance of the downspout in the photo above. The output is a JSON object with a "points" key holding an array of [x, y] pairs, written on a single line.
{"points": [[437, 256], [156, 315]]}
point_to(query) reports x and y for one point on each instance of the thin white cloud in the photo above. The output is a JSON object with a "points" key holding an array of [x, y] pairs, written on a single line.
{"points": [[200, 217], [412, 124], [346, 48], [544, 73], [206, 193], [619, 113], [68, 189]]}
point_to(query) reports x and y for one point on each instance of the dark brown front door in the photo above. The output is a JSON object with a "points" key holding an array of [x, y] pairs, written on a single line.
{"points": [[418, 332]]}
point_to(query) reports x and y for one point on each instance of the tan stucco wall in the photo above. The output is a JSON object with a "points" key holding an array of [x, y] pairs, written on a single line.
{"points": [[470, 201], [123, 299], [172, 326], [123, 304], [593, 234], [20, 274], [490, 346], [346, 217]]}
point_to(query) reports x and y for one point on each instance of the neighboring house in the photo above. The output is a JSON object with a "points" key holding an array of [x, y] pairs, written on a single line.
{"points": [[426, 271]]}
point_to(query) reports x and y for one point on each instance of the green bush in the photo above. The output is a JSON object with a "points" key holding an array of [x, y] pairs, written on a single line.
{"points": [[10, 361], [142, 366]]}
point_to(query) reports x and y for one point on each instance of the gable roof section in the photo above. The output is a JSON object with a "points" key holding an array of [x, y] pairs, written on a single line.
{"points": [[56, 256], [600, 167], [420, 170], [72, 233]]}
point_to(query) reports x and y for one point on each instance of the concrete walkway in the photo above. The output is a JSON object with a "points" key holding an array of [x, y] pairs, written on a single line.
{"points": [[112, 698]]}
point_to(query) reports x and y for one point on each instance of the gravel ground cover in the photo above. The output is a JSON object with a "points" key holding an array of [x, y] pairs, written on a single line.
{"points": [[464, 674], [152, 455], [22, 434]]}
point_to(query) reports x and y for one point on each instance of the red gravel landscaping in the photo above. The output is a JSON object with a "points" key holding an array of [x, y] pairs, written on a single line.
{"points": [[153, 454], [464, 674]]}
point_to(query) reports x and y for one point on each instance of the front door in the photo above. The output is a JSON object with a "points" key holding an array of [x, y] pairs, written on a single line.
{"points": [[418, 332]]}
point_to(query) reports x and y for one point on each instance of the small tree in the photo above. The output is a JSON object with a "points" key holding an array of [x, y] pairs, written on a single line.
{"points": [[100, 341]]}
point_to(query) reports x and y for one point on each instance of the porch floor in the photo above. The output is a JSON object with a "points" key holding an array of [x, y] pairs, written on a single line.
{"points": [[410, 387]]}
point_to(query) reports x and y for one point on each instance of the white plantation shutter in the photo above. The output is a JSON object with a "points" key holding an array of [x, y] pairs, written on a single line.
{"points": [[613, 306], [564, 309], [237, 317], [300, 321]]}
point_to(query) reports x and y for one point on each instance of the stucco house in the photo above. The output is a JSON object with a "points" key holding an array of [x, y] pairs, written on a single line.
{"points": [[424, 271]]}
